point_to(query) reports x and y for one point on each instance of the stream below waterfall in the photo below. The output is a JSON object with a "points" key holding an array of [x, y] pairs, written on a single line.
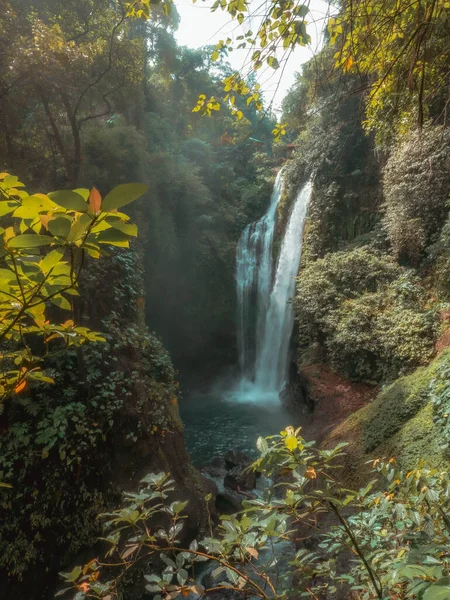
{"points": [[216, 422]]}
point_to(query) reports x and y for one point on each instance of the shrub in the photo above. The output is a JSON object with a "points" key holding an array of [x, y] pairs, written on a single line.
{"points": [[416, 188], [395, 530], [367, 313]]}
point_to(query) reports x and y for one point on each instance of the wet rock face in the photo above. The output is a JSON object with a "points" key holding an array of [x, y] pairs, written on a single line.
{"points": [[234, 479], [296, 397], [236, 458], [240, 480]]}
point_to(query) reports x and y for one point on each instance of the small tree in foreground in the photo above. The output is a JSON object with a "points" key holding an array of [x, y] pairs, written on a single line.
{"points": [[45, 241], [393, 535]]}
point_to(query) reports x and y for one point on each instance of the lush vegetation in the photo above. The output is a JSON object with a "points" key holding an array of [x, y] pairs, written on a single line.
{"points": [[387, 540], [98, 102]]}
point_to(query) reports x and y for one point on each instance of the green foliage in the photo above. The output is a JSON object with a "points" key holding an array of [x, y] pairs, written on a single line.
{"points": [[366, 311], [402, 50], [439, 393], [45, 242], [396, 529], [416, 191]]}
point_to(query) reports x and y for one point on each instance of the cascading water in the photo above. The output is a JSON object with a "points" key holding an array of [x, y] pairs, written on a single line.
{"points": [[254, 281], [266, 318]]}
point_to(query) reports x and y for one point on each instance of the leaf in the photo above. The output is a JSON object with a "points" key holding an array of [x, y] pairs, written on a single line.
{"points": [[29, 240], [7, 276], [95, 200], [262, 445], [6, 208], [60, 227], [51, 260], [128, 228], [291, 442], [123, 194], [310, 473], [439, 590], [113, 237], [79, 227], [21, 386], [73, 575], [61, 302], [83, 192], [272, 61], [177, 507], [129, 550], [253, 552], [69, 200]]}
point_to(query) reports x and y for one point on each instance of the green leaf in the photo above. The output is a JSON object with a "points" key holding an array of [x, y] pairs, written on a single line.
{"points": [[51, 260], [272, 61], [29, 240], [79, 227], [128, 228], [123, 194], [73, 575], [83, 192], [262, 445], [69, 200], [60, 227], [7, 207], [61, 302], [439, 590], [177, 507], [112, 236], [7, 276]]}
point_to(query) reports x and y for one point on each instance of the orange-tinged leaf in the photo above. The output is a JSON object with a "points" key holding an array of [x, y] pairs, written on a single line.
{"points": [[310, 473], [44, 219], [95, 200], [348, 63], [21, 386], [84, 587], [253, 552]]}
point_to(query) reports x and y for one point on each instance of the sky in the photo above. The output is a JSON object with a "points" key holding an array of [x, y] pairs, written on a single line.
{"points": [[199, 27]]}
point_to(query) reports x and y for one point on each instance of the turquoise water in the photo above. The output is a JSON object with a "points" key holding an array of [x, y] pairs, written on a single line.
{"points": [[217, 422]]}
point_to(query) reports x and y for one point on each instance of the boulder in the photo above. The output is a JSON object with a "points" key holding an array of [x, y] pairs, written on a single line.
{"points": [[237, 458], [240, 479]]}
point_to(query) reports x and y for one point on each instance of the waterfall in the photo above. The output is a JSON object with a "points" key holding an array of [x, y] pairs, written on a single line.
{"points": [[265, 316], [254, 280]]}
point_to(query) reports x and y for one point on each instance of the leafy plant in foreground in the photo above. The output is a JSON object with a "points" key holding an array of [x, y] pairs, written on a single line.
{"points": [[394, 540], [45, 241]]}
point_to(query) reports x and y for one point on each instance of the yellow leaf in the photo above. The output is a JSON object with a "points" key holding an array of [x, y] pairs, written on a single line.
{"points": [[291, 442]]}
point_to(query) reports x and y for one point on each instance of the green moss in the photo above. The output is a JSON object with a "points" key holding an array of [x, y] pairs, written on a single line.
{"points": [[394, 406], [399, 422], [418, 439]]}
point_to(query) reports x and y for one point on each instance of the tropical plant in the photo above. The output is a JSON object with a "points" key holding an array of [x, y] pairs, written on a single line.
{"points": [[394, 534], [46, 241]]}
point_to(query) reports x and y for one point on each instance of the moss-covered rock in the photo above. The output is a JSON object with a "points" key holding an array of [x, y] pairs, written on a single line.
{"points": [[400, 422], [395, 406]]}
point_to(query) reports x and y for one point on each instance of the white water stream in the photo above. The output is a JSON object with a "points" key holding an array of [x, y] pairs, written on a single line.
{"points": [[265, 316]]}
